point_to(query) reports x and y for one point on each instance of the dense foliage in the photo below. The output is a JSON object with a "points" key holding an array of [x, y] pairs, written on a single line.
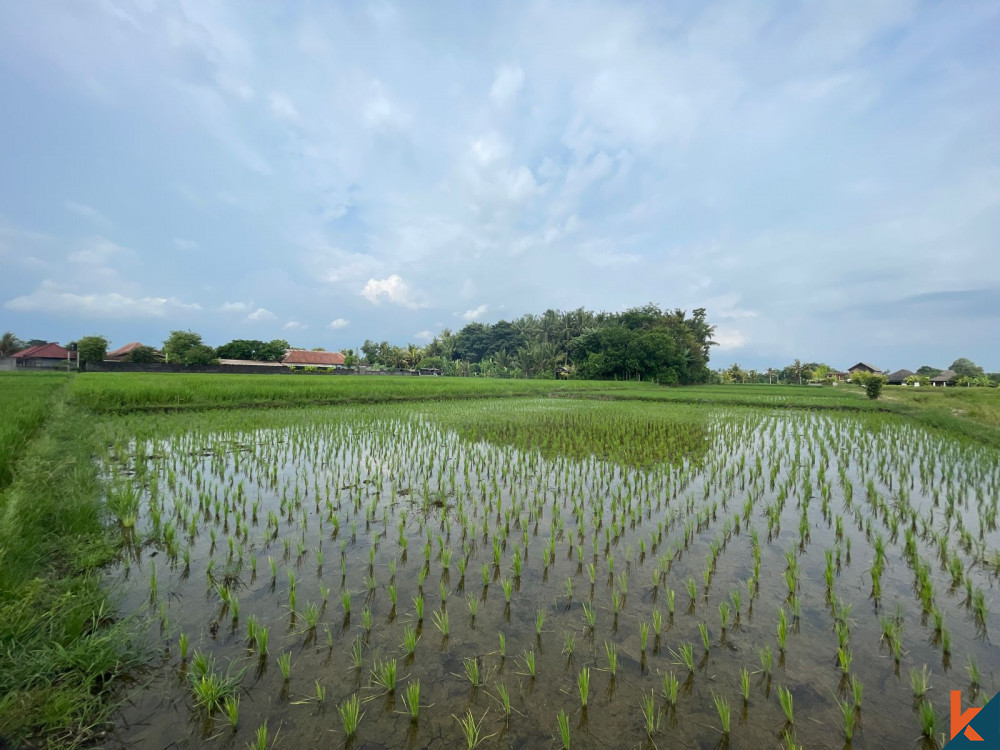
{"points": [[92, 349], [643, 343], [261, 351]]}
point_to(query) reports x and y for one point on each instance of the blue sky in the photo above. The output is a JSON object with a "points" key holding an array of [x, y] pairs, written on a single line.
{"points": [[824, 177]]}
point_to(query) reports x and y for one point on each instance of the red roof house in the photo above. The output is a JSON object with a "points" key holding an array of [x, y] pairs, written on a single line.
{"points": [[304, 358], [120, 355], [43, 355]]}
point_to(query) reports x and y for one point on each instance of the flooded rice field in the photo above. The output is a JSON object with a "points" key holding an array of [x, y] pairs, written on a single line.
{"points": [[551, 573]]}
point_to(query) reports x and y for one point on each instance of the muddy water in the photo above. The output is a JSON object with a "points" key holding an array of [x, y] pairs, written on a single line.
{"points": [[370, 493]]}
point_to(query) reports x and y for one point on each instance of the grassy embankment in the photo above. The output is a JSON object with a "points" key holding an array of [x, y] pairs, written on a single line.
{"points": [[59, 651]]}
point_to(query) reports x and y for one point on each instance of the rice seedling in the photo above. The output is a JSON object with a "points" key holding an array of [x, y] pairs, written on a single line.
{"points": [[643, 636], [182, 643], [919, 681], [848, 714], [350, 715], [260, 738], [503, 698], [528, 660], [507, 585], [928, 719], [260, 637], [357, 652], [418, 606], [472, 670], [650, 713], [745, 684], [782, 628], [844, 659], [589, 615], [670, 687], [539, 622], [563, 721], [231, 706], [441, 623], [972, 668], [367, 619], [472, 730], [703, 629], [685, 655], [723, 709], [611, 651], [384, 675], [503, 645], [583, 685], [411, 699], [473, 604], [787, 703], [657, 622], [857, 690], [285, 665]]}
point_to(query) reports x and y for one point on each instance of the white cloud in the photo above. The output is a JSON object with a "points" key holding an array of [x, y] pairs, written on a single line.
{"points": [[282, 107], [51, 298], [423, 335], [507, 84], [88, 212], [182, 244], [235, 307], [382, 113], [392, 288], [260, 315], [728, 338], [339, 323], [294, 325], [475, 313], [96, 251]]}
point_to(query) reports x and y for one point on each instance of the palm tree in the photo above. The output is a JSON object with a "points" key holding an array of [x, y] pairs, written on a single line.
{"points": [[10, 344]]}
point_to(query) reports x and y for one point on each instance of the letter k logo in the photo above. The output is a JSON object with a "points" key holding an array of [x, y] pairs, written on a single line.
{"points": [[960, 721]]}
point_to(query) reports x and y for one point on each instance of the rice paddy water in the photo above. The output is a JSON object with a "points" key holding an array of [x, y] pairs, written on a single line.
{"points": [[540, 572]]}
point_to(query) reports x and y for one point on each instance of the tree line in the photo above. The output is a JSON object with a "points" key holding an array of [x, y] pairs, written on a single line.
{"points": [[641, 343]]}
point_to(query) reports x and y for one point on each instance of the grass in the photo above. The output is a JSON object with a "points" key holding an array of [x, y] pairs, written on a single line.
{"points": [[63, 648]]}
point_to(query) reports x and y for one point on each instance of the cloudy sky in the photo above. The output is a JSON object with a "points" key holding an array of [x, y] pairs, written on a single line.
{"points": [[823, 176]]}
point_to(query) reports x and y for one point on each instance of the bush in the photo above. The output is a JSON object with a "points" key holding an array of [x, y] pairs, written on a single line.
{"points": [[872, 382]]}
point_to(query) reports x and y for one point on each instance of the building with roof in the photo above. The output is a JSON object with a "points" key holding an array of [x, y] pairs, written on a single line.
{"points": [[121, 354], [899, 377], [306, 358], [44, 356], [863, 367], [945, 378]]}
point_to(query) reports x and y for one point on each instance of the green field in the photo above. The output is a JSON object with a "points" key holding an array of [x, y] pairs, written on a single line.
{"points": [[567, 444]]}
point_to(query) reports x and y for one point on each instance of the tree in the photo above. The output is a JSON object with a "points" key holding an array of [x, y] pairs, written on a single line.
{"points": [[252, 349], [199, 354], [91, 349], [966, 368], [179, 343], [872, 382], [10, 344], [930, 372], [141, 354]]}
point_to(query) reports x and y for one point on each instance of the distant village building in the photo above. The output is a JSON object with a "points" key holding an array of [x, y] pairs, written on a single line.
{"points": [[121, 354], [249, 363], [899, 377], [863, 367], [944, 379], [44, 356], [304, 358]]}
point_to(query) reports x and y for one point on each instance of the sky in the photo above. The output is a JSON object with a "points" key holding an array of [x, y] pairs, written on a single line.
{"points": [[823, 177]]}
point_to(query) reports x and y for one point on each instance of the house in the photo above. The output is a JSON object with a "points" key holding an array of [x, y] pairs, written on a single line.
{"points": [[944, 379], [863, 367], [304, 358], [44, 355], [121, 355], [249, 363], [840, 377], [899, 377]]}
